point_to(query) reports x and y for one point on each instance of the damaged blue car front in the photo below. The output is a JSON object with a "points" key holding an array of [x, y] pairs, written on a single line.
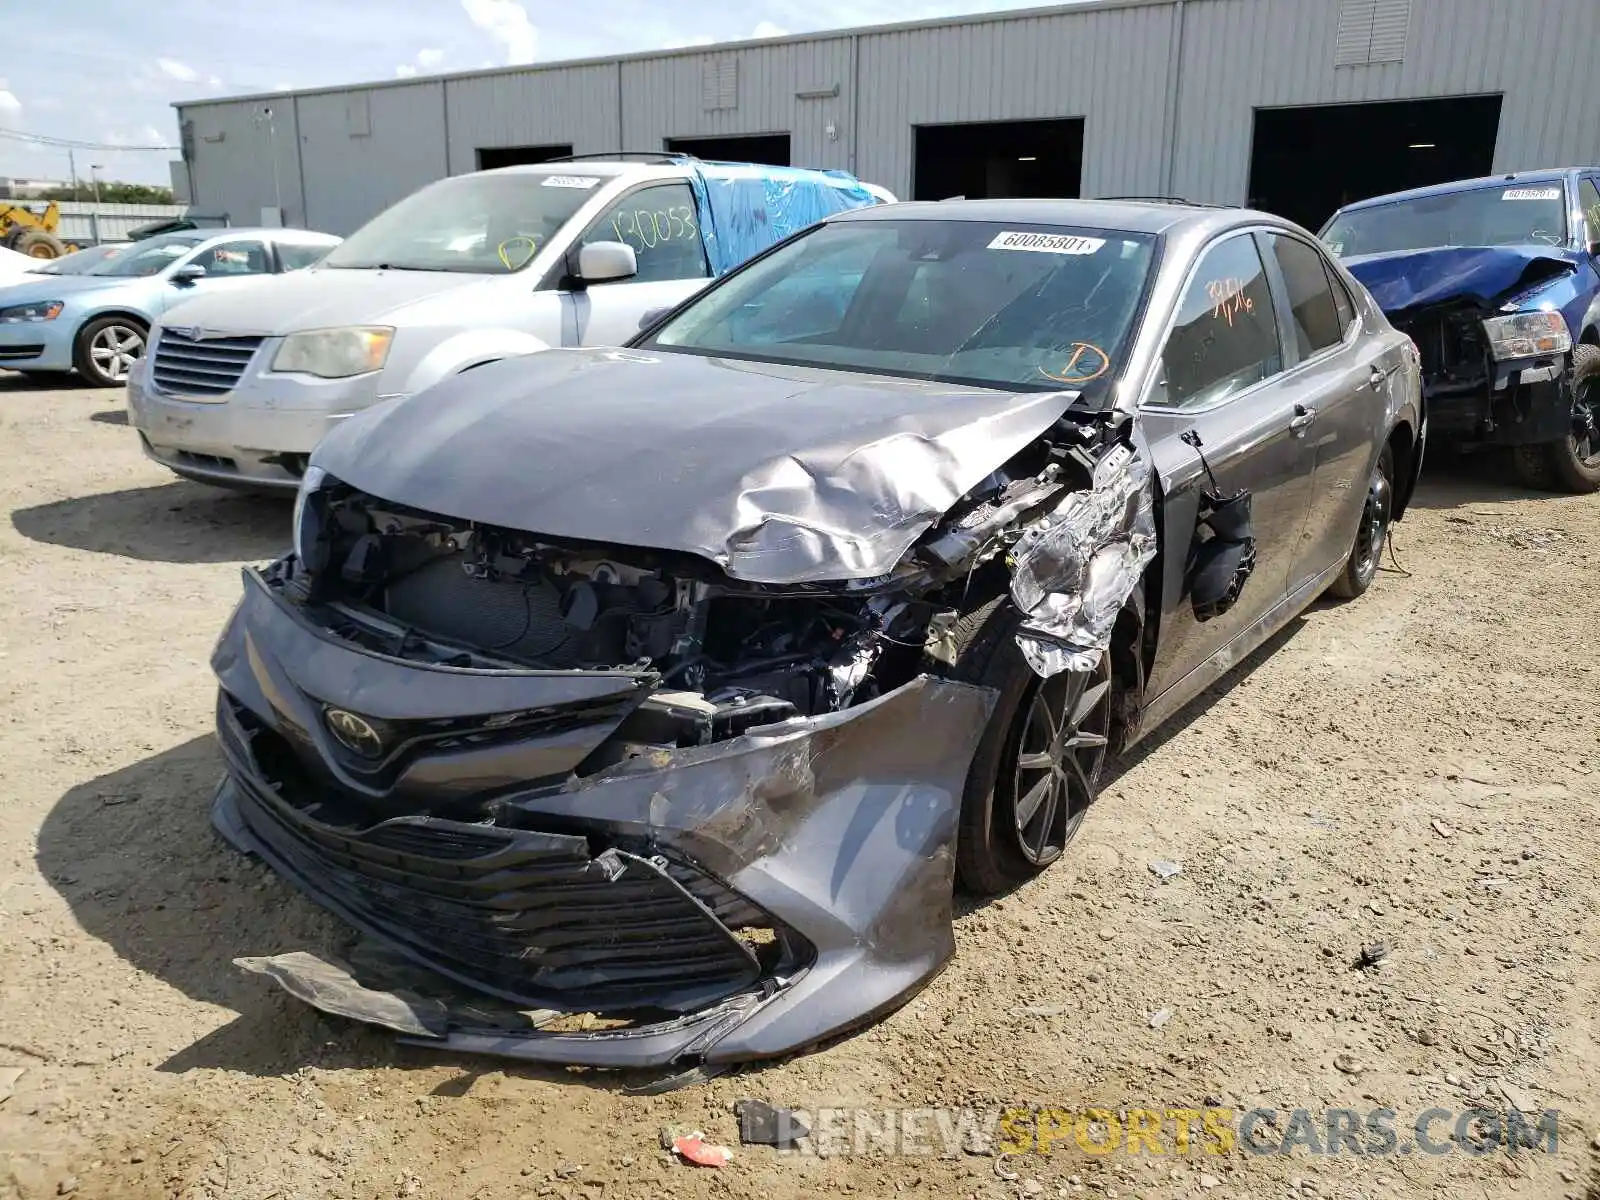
{"points": [[1496, 281]]}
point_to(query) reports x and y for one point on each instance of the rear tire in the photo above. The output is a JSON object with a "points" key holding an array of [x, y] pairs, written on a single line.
{"points": [[107, 348], [1038, 765], [1572, 464], [1361, 568]]}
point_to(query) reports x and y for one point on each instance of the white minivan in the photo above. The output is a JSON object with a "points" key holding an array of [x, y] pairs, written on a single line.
{"points": [[237, 389]]}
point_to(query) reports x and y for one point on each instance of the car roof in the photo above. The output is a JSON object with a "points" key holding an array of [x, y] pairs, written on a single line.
{"points": [[1542, 175], [1128, 216]]}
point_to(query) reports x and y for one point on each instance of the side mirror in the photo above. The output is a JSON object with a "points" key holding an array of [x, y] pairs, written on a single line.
{"points": [[603, 262], [188, 276]]}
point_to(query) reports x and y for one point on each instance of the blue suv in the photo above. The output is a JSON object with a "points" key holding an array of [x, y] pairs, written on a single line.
{"points": [[1497, 281]]}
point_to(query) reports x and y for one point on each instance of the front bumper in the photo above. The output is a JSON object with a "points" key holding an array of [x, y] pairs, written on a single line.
{"points": [[260, 435], [723, 903], [38, 345], [1529, 403]]}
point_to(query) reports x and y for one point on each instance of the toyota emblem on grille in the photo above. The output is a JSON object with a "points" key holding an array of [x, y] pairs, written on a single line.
{"points": [[354, 733]]}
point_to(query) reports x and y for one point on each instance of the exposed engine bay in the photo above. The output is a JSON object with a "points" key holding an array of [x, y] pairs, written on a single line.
{"points": [[728, 655]]}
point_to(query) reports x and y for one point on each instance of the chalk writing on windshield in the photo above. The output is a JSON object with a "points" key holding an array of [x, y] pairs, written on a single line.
{"points": [[1086, 363]]}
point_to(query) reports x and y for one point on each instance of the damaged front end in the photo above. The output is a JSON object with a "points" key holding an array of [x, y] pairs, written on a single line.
{"points": [[615, 806], [1493, 343]]}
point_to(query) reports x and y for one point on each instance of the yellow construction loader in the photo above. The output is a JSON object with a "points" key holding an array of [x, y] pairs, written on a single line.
{"points": [[32, 233]]}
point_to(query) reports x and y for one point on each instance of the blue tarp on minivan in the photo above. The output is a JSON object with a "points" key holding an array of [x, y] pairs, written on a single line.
{"points": [[746, 208]]}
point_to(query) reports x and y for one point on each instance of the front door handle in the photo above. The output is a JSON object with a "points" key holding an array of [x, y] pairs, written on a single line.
{"points": [[1303, 417], [1378, 377]]}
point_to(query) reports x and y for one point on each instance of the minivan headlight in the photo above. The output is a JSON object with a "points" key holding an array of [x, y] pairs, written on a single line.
{"points": [[1528, 335], [335, 353]]}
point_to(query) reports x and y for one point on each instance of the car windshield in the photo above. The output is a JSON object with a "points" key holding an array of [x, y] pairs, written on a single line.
{"points": [[80, 262], [1030, 307], [148, 257], [477, 224], [1507, 214]]}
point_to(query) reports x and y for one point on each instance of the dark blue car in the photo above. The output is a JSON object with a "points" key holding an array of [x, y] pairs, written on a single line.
{"points": [[1496, 281]]}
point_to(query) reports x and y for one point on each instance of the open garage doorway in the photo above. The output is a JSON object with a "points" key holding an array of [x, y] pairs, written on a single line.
{"points": [[999, 160], [1307, 162], [490, 157], [770, 149]]}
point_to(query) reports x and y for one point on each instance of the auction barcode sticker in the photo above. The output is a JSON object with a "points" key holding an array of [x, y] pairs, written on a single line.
{"points": [[1046, 243], [571, 181], [1544, 193]]}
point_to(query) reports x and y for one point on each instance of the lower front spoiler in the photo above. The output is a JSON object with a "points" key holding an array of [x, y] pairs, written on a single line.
{"points": [[842, 827]]}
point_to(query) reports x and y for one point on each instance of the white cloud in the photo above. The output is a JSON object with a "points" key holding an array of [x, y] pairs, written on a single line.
{"points": [[698, 39], [214, 81], [173, 69], [404, 71], [429, 57], [10, 106], [506, 22], [283, 87], [767, 29]]}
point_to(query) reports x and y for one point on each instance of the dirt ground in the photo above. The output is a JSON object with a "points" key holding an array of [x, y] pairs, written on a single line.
{"points": [[1417, 768]]}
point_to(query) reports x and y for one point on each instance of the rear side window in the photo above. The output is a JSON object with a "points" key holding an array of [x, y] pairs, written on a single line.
{"points": [[661, 223], [1225, 338], [1345, 306], [1313, 311]]}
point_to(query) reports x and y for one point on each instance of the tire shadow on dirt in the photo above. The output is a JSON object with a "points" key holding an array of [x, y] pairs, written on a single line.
{"points": [[1451, 481], [135, 857], [45, 381], [177, 522], [110, 416]]}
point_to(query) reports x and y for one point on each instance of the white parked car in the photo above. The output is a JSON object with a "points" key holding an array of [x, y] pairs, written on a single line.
{"points": [[238, 389]]}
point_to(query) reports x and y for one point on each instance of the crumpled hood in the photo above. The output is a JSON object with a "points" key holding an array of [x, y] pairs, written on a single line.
{"points": [[315, 299], [1486, 274], [779, 474]]}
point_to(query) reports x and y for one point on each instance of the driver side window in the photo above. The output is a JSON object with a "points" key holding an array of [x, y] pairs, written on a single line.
{"points": [[1225, 336], [662, 225], [235, 258]]}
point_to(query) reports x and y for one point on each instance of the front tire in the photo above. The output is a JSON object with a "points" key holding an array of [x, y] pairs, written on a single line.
{"points": [[107, 348], [40, 244], [1038, 765], [1572, 464]]}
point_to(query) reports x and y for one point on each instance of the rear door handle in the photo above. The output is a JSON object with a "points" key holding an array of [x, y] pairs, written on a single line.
{"points": [[1303, 417]]}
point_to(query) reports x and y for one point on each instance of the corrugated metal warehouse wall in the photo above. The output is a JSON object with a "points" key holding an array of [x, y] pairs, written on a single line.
{"points": [[1156, 120]]}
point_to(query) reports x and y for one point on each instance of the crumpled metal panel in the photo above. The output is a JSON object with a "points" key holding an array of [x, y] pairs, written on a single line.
{"points": [[778, 474], [1072, 571], [1408, 278]]}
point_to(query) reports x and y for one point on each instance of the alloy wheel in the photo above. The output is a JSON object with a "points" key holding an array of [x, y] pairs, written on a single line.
{"points": [[1586, 422], [1060, 750], [115, 349]]}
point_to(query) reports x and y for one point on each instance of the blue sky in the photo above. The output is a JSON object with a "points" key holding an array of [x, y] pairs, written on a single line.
{"points": [[110, 71]]}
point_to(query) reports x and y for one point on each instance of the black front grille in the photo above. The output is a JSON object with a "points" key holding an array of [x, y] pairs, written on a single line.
{"points": [[194, 366], [529, 916]]}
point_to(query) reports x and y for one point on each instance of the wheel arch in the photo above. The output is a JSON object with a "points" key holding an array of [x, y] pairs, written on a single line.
{"points": [[1402, 443]]}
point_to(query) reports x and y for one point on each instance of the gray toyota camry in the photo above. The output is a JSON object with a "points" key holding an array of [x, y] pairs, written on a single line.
{"points": [[642, 707]]}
